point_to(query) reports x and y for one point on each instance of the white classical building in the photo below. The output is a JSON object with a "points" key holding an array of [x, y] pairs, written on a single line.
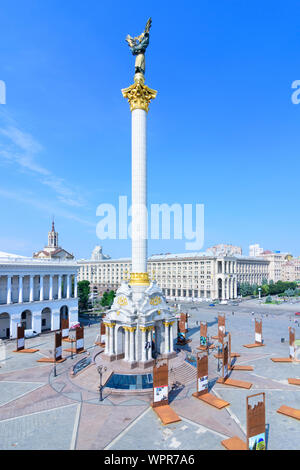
{"points": [[199, 275], [36, 293]]}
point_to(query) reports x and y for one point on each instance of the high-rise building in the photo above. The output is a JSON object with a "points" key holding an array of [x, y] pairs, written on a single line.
{"points": [[255, 250]]}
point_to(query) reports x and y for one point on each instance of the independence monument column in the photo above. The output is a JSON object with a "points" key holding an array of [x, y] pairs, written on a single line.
{"points": [[139, 324], [139, 97]]}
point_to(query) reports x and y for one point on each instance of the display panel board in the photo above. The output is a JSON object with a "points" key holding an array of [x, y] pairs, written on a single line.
{"points": [[58, 346], [221, 328], [225, 354], [65, 327], [292, 342], [258, 332], [160, 383], [183, 323], [203, 335], [20, 337], [79, 339], [256, 421], [202, 374]]}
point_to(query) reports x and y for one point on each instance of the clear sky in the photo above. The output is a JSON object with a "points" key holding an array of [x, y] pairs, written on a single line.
{"points": [[222, 131]]}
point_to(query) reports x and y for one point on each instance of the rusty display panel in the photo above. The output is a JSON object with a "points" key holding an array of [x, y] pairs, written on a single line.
{"points": [[256, 422], [203, 335], [79, 339], [160, 383], [202, 374], [65, 327], [58, 346], [184, 322], [20, 337], [292, 342], [225, 358], [221, 328], [258, 332]]}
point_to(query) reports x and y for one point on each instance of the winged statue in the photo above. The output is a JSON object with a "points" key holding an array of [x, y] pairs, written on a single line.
{"points": [[138, 46]]}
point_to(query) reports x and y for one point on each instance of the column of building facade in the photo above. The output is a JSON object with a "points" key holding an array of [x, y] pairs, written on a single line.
{"points": [[149, 340], [41, 287], [144, 341], [171, 337], [131, 343], [20, 289], [50, 287], [8, 300], [59, 287], [126, 352], [68, 286], [167, 339], [75, 286], [107, 338], [31, 296], [112, 339]]}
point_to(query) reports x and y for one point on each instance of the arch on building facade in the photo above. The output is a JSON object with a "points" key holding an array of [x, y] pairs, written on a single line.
{"points": [[46, 319], [26, 319], [63, 313], [4, 325]]}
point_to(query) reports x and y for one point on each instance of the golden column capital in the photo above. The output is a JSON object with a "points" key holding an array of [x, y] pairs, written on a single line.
{"points": [[139, 95], [139, 279], [131, 328]]}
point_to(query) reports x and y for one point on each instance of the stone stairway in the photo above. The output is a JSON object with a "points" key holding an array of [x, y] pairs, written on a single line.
{"points": [[184, 374]]}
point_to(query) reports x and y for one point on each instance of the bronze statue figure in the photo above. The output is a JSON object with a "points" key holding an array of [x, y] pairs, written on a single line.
{"points": [[138, 46]]}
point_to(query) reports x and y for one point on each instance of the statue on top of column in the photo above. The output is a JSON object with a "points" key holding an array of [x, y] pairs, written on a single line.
{"points": [[138, 46]]}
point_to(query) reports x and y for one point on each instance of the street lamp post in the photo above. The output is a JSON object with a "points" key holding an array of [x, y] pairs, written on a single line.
{"points": [[100, 370]]}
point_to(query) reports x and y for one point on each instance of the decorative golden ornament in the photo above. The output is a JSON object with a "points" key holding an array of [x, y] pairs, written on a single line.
{"points": [[139, 279], [143, 328], [139, 95], [155, 300], [158, 312], [122, 300], [131, 328]]}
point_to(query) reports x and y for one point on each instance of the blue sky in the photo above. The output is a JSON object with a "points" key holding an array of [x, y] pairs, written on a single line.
{"points": [[222, 131]]}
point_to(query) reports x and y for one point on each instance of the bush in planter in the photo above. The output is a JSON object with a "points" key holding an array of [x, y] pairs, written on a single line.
{"points": [[269, 300]]}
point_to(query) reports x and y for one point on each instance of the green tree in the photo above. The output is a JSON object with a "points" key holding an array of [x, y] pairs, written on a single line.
{"points": [[108, 298], [83, 294]]}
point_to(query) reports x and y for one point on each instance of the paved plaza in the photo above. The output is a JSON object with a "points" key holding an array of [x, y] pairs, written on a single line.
{"points": [[40, 411]]}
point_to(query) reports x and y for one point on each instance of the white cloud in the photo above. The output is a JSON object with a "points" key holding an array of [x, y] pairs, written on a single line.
{"points": [[22, 149], [45, 206]]}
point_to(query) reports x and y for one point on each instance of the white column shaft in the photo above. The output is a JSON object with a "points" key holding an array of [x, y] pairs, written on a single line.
{"points": [[111, 341], [59, 286], [167, 346], [31, 289], [139, 191], [50, 287], [8, 290], [144, 340], [171, 339], [20, 289], [131, 348], [126, 357], [149, 352], [41, 287], [75, 287], [68, 286], [106, 340]]}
